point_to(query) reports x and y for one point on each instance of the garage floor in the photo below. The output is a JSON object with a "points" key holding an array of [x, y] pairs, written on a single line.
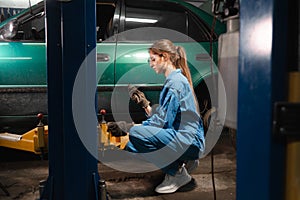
{"points": [[21, 172]]}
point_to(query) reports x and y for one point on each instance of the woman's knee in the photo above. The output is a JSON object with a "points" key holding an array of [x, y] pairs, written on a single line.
{"points": [[141, 132], [134, 131]]}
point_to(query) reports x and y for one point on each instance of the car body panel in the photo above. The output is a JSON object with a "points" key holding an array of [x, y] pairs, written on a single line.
{"points": [[22, 64]]}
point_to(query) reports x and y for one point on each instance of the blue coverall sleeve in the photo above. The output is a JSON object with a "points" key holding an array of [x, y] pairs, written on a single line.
{"points": [[167, 111]]}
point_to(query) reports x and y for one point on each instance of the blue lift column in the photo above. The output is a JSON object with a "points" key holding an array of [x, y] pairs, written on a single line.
{"points": [[71, 29], [262, 81]]}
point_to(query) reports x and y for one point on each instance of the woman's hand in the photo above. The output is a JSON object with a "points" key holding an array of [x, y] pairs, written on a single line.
{"points": [[148, 110], [120, 128], [138, 97]]}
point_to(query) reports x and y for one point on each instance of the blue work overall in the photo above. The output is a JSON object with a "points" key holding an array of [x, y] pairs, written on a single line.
{"points": [[174, 132]]}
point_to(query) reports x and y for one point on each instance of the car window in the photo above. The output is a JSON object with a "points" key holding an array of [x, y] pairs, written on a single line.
{"points": [[141, 14], [198, 30], [104, 18], [160, 14], [154, 15], [33, 29], [31, 26]]}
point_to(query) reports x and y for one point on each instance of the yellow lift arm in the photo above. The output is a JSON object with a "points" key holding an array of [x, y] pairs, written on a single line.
{"points": [[36, 140]]}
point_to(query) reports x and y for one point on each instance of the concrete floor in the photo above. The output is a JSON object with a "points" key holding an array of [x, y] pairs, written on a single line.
{"points": [[20, 174]]}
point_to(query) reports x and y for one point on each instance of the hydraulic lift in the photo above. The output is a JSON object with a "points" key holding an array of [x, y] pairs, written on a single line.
{"points": [[35, 140], [71, 43], [262, 156], [268, 131]]}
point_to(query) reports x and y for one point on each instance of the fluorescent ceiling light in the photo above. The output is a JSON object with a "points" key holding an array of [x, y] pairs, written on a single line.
{"points": [[150, 21]]}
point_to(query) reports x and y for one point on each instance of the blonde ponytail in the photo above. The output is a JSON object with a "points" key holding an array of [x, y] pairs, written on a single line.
{"points": [[178, 58]]}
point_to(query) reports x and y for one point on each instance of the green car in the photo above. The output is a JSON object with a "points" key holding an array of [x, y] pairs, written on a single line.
{"points": [[125, 31]]}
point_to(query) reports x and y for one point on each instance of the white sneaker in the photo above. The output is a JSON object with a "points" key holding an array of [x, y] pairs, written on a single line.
{"points": [[191, 165], [173, 183]]}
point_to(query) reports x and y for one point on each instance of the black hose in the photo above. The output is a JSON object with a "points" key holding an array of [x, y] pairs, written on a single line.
{"points": [[213, 174]]}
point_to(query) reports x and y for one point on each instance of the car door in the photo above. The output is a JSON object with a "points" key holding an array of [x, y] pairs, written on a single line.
{"points": [[143, 22], [23, 76], [23, 57]]}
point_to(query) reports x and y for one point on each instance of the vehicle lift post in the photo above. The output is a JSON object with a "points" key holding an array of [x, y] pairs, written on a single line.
{"points": [[71, 37], [261, 83]]}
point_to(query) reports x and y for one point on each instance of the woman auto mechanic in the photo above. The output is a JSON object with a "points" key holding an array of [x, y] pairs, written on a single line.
{"points": [[175, 125]]}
